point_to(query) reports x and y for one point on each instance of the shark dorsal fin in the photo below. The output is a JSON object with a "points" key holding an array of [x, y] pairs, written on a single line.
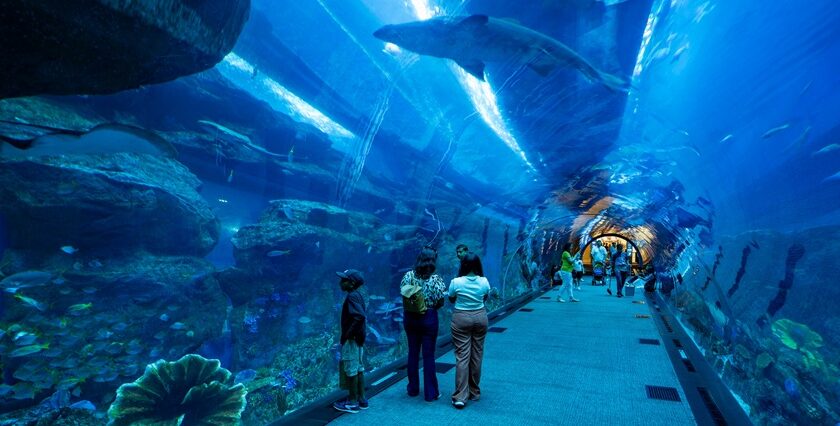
{"points": [[474, 20]]}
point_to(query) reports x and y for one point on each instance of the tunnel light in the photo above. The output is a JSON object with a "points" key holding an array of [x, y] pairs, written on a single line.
{"points": [[240, 72], [480, 93]]}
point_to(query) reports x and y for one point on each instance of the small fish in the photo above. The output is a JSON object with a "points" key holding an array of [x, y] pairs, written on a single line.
{"points": [[28, 350], [726, 138], [31, 302], [24, 338], [826, 149], [223, 201], [178, 326], [79, 307], [834, 177], [304, 320], [59, 281], [775, 130], [389, 237], [164, 317], [69, 249], [89, 290], [230, 176], [317, 244], [277, 253], [245, 376], [291, 156], [679, 52], [379, 211], [370, 248], [95, 263]]}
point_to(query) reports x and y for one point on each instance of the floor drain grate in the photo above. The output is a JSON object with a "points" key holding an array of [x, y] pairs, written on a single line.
{"points": [[662, 392], [649, 341], [443, 367], [526, 310], [496, 329], [667, 324], [717, 416]]}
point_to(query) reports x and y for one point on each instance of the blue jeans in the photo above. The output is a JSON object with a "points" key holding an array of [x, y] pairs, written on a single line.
{"points": [[422, 332], [620, 276]]}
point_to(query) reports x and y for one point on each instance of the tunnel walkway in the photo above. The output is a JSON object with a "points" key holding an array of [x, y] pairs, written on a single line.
{"points": [[560, 363]]}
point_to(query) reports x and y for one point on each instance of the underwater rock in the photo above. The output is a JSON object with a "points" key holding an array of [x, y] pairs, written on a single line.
{"points": [[115, 44], [307, 240], [105, 203], [192, 390]]}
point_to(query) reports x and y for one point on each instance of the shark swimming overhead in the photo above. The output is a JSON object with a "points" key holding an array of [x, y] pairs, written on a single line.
{"points": [[471, 41]]}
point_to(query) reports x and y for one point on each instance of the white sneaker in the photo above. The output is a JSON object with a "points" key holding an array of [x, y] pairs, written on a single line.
{"points": [[575, 300], [561, 300]]}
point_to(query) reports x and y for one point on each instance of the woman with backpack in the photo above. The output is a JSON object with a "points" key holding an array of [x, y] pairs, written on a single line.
{"points": [[422, 292], [469, 328]]}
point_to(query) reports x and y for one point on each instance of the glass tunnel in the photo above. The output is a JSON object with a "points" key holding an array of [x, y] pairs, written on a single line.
{"points": [[181, 180]]}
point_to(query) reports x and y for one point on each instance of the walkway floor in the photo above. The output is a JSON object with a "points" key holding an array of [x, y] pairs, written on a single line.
{"points": [[563, 364]]}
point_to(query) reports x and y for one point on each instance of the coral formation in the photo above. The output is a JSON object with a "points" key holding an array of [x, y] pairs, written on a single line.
{"points": [[190, 391]]}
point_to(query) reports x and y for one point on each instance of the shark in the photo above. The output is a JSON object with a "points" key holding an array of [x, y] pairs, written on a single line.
{"points": [[473, 40]]}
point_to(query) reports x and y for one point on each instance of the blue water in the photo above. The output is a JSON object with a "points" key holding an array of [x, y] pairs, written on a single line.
{"points": [[314, 146]]}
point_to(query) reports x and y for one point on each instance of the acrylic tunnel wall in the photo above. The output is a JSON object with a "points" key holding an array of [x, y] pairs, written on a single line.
{"points": [[185, 187]]}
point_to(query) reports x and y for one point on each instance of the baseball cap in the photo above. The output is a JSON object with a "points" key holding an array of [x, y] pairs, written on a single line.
{"points": [[353, 275]]}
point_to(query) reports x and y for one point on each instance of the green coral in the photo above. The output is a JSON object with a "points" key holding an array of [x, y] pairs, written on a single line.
{"points": [[190, 391], [796, 336], [801, 338]]}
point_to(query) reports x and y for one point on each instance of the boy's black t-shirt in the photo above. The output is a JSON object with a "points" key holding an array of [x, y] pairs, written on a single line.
{"points": [[353, 320]]}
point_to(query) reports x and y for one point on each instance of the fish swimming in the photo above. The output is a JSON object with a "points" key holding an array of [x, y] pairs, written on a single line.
{"points": [[31, 302], [69, 249], [726, 138], [471, 41], [828, 148], [775, 130], [24, 280], [79, 307], [277, 253], [28, 350], [109, 138]]}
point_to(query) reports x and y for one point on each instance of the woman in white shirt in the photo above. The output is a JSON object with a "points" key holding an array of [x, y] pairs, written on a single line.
{"points": [[469, 327]]}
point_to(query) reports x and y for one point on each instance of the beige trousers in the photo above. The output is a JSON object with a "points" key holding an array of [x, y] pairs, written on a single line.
{"points": [[469, 329]]}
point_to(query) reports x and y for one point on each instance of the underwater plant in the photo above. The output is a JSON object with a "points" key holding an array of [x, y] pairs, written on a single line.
{"points": [[190, 391]]}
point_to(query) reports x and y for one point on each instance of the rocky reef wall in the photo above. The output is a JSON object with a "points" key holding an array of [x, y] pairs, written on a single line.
{"points": [[104, 46]]}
